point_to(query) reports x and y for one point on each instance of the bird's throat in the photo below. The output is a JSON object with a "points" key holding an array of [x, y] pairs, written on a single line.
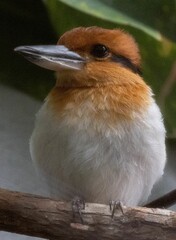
{"points": [[110, 102]]}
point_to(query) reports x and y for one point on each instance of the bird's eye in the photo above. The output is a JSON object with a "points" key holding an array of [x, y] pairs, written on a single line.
{"points": [[100, 51]]}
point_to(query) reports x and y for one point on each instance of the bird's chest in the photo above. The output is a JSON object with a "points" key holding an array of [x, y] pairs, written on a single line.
{"points": [[82, 140]]}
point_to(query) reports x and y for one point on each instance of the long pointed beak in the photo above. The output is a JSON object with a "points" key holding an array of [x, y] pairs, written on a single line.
{"points": [[53, 57]]}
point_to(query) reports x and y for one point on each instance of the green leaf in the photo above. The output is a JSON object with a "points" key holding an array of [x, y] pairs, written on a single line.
{"points": [[106, 12]]}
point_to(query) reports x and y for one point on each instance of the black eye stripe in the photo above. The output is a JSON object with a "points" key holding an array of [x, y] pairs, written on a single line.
{"points": [[126, 63], [101, 51]]}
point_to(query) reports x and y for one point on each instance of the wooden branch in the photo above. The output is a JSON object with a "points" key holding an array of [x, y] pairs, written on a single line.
{"points": [[165, 201], [41, 217]]}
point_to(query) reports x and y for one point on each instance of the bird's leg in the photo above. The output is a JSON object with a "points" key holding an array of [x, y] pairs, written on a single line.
{"points": [[115, 205], [78, 204]]}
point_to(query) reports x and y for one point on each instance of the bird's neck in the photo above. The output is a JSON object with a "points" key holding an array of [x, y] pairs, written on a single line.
{"points": [[124, 99]]}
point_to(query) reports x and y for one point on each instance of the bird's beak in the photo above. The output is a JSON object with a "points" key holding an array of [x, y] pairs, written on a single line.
{"points": [[53, 57]]}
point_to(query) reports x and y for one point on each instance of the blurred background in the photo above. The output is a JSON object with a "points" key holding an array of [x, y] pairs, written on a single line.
{"points": [[23, 86]]}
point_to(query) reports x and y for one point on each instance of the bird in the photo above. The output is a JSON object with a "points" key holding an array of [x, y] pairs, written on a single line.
{"points": [[100, 133]]}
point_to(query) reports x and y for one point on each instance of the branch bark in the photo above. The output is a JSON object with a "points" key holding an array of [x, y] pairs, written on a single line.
{"points": [[42, 217]]}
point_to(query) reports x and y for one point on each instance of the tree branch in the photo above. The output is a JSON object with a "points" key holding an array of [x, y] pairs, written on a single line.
{"points": [[42, 217], [165, 201]]}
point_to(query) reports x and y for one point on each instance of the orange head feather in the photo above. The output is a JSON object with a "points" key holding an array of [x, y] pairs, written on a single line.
{"points": [[121, 53], [118, 42]]}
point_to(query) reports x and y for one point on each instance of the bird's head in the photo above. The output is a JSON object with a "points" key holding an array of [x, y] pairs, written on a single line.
{"points": [[94, 65], [87, 57]]}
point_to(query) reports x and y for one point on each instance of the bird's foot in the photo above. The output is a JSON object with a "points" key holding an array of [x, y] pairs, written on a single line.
{"points": [[114, 205], [78, 204]]}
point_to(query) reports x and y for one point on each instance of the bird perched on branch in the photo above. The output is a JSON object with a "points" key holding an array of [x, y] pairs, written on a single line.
{"points": [[99, 134]]}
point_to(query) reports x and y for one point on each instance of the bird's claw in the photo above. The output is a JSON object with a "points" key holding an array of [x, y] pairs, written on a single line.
{"points": [[115, 205], [78, 204]]}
